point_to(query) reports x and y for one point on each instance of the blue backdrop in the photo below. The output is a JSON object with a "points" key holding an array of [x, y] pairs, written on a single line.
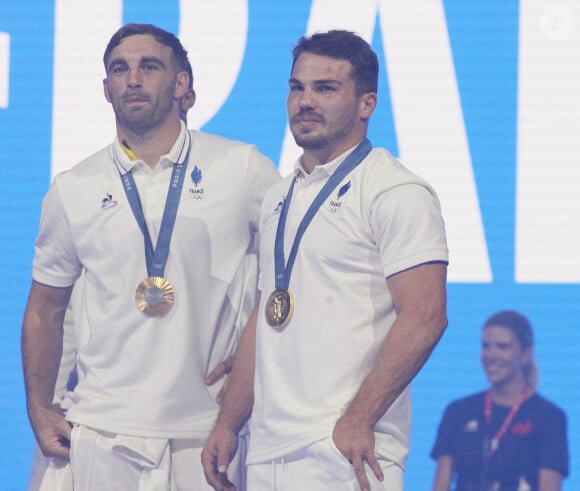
{"points": [[479, 97]]}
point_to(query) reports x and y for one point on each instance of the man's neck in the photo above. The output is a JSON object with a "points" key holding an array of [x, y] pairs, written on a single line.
{"points": [[150, 145], [315, 157]]}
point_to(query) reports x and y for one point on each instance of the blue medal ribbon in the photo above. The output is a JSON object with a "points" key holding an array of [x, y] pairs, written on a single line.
{"points": [[156, 259], [282, 273]]}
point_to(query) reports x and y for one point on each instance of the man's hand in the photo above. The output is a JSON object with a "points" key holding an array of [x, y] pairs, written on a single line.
{"points": [[222, 369], [218, 452], [52, 431], [222, 444], [356, 441]]}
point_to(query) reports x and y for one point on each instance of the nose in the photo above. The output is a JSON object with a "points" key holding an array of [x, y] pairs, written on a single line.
{"points": [[306, 98], [134, 77]]}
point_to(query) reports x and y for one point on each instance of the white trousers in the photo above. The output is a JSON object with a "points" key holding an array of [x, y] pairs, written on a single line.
{"points": [[319, 467], [49, 474], [107, 462]]}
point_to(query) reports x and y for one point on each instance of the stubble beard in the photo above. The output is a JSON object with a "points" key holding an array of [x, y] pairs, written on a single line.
{"points": [[141, 120], [310, 142], [321, 140]]}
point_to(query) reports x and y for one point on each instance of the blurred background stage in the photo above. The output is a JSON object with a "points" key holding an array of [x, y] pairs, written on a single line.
{"points": [[480, 98]]}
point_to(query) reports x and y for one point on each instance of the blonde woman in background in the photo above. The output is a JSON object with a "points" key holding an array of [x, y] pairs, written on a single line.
{"points": [[507, 438]]}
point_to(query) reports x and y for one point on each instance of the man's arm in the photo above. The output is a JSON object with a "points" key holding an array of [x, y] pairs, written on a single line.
{"points": [[42, 334], [236, 408], [222, 369], [420, 298]]}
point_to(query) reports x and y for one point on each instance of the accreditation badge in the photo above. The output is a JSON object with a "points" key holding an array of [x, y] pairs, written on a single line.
{"points": [[279, 308], [154, 296]]}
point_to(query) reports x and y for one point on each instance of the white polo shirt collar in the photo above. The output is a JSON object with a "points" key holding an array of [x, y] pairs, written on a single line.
{"points": [[321, 171], [176, 154]]}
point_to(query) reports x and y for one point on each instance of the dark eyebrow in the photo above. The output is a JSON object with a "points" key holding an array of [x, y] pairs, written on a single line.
{"points": [[330, 81], [116, 61], [145, 59], [151, 59]]}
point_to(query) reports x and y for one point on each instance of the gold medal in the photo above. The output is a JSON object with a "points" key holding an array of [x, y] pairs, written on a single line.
{"points": [[154, 296], [279, 308]]}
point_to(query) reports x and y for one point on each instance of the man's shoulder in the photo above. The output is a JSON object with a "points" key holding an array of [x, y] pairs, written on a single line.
{"points": [[211, 147], [383, 169], [274, 196], [215, 142], [280, 188], [88, 167]]}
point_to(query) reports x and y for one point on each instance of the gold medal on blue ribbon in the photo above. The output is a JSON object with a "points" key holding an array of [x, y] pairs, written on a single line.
{"points": [[155, 296], [279, 308]]}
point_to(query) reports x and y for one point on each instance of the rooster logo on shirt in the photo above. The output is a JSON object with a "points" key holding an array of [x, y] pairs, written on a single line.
{"points": [[108, 202]]}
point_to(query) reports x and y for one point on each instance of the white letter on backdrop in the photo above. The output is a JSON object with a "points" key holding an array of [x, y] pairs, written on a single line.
{"points": [[82, 119], [214, 34], [548, 146], [4, 68]]}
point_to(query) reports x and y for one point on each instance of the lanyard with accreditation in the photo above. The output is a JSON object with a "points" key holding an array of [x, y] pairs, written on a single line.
{"points": [[492, 444], [280, 303]]}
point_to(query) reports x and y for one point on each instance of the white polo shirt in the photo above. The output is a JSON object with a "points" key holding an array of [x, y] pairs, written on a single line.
{"points": [[141, 375], [380, 220]]}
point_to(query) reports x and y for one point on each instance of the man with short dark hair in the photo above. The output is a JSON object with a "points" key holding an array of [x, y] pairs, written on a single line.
{"points": [[163, 226], [353, 261]]}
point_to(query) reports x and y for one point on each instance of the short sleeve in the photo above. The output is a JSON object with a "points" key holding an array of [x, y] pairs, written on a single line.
{"points": [[407, 224], [444, 442], [553, 445], [56, 262]]}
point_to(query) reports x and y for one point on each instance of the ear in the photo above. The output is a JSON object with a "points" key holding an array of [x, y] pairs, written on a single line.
{"points": [[181, 84], [106, 90], [368, 103], [187, 101]]}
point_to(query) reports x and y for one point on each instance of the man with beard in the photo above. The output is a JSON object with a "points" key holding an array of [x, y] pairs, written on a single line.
{"points": [[162, 224], [353, 261]]}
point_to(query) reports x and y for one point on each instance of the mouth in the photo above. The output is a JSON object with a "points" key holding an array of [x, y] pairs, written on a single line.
{"points": [[306, 119], [135, 99], [305, 124]]}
